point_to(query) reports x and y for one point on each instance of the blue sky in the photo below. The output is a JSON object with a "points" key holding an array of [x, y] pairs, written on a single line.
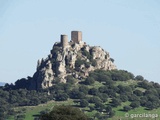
{"points": [[128, 29]]}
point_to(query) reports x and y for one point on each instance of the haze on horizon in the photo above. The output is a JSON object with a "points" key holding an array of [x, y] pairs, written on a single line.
{"points": [[128, 30]]}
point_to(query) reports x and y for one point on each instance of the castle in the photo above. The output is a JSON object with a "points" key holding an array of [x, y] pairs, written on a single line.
{"points": [[64, 58], [76, 37]]}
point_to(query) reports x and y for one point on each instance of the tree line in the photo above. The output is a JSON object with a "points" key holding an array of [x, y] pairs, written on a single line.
{"points": [[101, 98]]}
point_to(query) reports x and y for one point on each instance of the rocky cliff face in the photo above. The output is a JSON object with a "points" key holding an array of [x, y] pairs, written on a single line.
{"points": [[76, 59]]}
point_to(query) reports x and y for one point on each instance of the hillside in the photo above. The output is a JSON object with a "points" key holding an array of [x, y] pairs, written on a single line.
{"points": [[102, 95], [84, 77]]}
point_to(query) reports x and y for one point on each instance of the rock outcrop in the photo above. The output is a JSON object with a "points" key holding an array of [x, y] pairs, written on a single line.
{"points": [[74, 58]]}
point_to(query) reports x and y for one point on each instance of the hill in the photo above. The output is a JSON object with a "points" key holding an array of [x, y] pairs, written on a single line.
{"points": [[67, 58], [74, 58], [102, 95], [82, 76]]}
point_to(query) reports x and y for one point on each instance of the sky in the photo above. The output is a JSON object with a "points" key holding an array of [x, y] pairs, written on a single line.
{"points": [[128, 29]]}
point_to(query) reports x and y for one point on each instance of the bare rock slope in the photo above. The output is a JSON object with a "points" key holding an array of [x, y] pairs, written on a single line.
{"points": [[74, 58]]}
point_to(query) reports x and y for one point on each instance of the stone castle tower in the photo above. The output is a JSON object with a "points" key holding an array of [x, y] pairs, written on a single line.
{"points": [[76, 37], [64, 40]]}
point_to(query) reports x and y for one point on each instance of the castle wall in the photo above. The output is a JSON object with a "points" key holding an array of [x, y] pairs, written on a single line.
{"points": [[64, 40], [76, 36]]}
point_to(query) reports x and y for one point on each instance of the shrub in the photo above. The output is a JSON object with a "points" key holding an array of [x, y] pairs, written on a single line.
{"points": [[135, 104], [115, 102], [94, 62], [64, 113], [139, 77], [89, 81], [84, 103], [61, 97], [79, 62], [87, 54], [126, 108], [70, 79]]}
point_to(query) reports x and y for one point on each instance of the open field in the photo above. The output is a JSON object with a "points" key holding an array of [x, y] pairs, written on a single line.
{"points": [[32, 111]]}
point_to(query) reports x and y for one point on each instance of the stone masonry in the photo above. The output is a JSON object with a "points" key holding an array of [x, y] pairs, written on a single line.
{"points": [[76, 36]]}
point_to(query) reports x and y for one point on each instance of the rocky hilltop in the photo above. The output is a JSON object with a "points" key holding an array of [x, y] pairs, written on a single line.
{"points": [[74, 58]]}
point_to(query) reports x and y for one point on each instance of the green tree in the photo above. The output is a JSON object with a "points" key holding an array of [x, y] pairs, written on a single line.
{"points": [[133, 97], [150, 105], [70, 79], [34, 101], [111, 59], [115, 102], [84, 103], [2, 114], [145, 85], [154, 100], [111, 114], [62, 97], [121, 75], [135, 104], [124, 89], [89, 81], [97, 115], [103, 78], [87, 54], [138, 92], [79, 62], [108, 108], [76, 94], [103, 96], [123, 97], [126, 108], [143, 101], [64, 113], [139, 77], [93, 91], [94, 62], [94, 99], [103, 89], [99, 106], [91, 108], [84, 89], [111, 93]]}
